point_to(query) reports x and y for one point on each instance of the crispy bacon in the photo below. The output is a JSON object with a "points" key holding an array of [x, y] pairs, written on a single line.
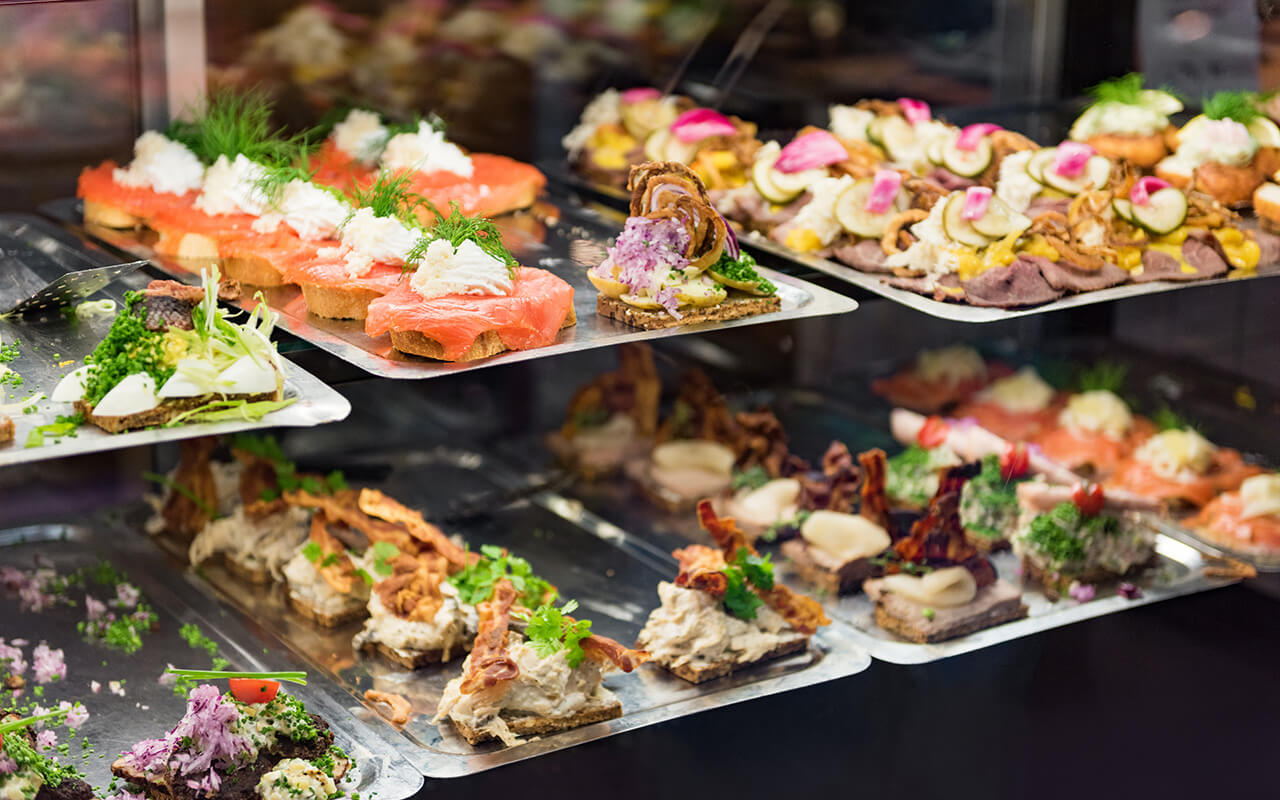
{"points": [[401, 709], [937, 540], [723, 530], [343, 506], [763, 442], [182, 515], [490, 663], [800, 611], [875, 503], [633, 389], [700, 569], [341, 574], [837, 487], [602, 649], [700, 412], [376, 504]]}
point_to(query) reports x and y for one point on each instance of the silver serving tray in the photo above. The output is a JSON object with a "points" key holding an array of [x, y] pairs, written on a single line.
{"points": [[612, 574], [148, 709], [1174, 529], [959, 312], [53, 344], [533, 243]]}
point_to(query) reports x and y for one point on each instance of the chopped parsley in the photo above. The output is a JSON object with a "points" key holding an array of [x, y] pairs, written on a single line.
{"points": [[128, 348], [741, 271], [752, 478], [1061, 534], [746, 570], [475, 582], [549, 631], [912, 475]]}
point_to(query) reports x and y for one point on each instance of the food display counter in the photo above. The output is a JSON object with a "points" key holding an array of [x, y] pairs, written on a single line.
{"points": [[412, 399]]}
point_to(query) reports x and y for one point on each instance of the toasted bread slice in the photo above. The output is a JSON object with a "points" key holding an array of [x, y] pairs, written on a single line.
{"points": [[6, 429], [409, 659], [109, 216], [259, 575], [1053, 583], [486, 344], [159, 415], [701, 673], [993, 605], [336, 303], [737, 306], [985, 544], [241, 782], [252, 269], [185, 244], [327, 619], [825, 572], [527, 725]]}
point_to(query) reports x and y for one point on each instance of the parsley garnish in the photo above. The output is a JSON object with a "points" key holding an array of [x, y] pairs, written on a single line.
{"points": [[549, 632], [1062, 533], [475, 582], [383, 552], [312, 552], [746, 570], [773, 531], [752, 478]]}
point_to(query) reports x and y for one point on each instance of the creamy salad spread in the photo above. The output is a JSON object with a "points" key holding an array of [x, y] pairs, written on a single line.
{"points": [[691, 627], [913, 475], [1069, 542], [254, 543], [546, 687], [296, 779], [309, 588], [1015, 186], [1177, 455], [452, 628], [1097, 412]]}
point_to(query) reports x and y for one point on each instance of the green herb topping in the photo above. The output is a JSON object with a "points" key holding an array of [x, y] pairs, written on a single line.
{"points": [[1239, 106], [752, 478], [293, 676], [475, 582], [389, 196], [746, 570], [129, 347], [1061, 534], [458, 228], [267, 448], [1103, 376], [235, 123], [550, 630], [742, 270]]}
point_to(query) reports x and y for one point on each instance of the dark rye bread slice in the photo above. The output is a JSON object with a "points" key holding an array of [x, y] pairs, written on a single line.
{"points": [[1053, 584], [240, 783], [69, 789], [167, 410], [326, 619], [825, 572], [529, 725], [486, 344], [737, 306], [993, 605], [701, 673], [413, 659]]}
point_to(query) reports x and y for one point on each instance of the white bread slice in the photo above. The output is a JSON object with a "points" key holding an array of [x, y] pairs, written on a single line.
{"points": [[1266, 203], [184, 244], [337, 303], [109, 216], [252, 269], [486, 344]]}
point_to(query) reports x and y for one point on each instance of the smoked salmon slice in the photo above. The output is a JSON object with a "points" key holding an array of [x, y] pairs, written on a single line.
{"points": [[1101, 454], [531, 316], [97, 185], [338, 169], [1222, 521], [1011, 425], [1225, 474], [331, 273]]}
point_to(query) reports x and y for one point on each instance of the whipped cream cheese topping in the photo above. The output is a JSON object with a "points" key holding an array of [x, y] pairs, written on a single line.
{"points": [[426, 150], [369, 239], [1015, 186], [1098, 411], [231, 187], [1177, 455], [1148, 116], [1223, 141], [1261, 496], [466, 269], [819, 214], [312, 212], [161, 164], [605, 109], [1023, 392], [361, 135]]}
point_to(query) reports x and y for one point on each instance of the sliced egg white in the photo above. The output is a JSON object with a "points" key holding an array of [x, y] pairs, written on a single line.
{"points": [[71, 387], [247, 376], [133, 395]]}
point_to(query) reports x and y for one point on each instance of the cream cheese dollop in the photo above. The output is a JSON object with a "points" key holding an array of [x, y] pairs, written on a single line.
{"points": [[1023, 392], [311, 211], [231, 186], [952, 586], [368, 239], [161, 164], [1177, 455], [819, 214], [1223, 141], [361, 135], [426, 150], [1149, 116], [1098, 411], [1261, 496], [466, 269]]}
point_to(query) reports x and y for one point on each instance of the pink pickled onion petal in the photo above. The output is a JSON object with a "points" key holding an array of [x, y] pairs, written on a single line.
{"points": [[916, 111], [976, 200], [1142, 190], [884, 188], [731, 245], [697, 124], [640, 94], [811, 151], [1070, 157], [970, 135]]}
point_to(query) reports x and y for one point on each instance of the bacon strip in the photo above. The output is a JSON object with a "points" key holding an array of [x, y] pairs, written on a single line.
{"points": [[723, 530], [700, 569], [401, 710], [341, 574], [601, 649], [342, 506], [937, 539], [376, 504], [413, 590], [490, 664], [875, 503]]}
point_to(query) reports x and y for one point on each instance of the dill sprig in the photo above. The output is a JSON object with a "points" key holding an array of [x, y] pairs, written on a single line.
{"points": [[389, 196], [1103, 376], [458, 228], [278, 176], [1126, 89], [433, 120], [234, 123], [1239, 106]]}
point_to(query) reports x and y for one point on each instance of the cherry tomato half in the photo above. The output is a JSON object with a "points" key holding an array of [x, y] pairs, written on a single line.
{"points": [[1015, 461], [933, 433], [1088, 498], [252, 690]]}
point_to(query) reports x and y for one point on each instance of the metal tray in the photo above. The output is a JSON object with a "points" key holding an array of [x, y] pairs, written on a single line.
{"points": [[958, 312], [148, 709], [1262, 562], [52, 344], [613, 575], [533, 244]]}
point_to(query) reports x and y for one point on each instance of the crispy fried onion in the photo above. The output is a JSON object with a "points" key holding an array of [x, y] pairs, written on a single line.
{"points": [[334, 565], [1006, 142], [924, 193], [413, 590], [937, 539], [895, 239], [489, 663], [401, 709], [1205, 212], [376, 504], [671, 190], [802, 613], [875, 502], [881, 108], [1055, 227], [181, 514]]}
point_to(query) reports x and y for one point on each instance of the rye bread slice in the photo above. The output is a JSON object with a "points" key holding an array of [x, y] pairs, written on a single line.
{"points": [[986, 544], [528, 725], [69, 789], [486, 344], [993, 605], [737, 306], [162, 413], [825, 572], [258, 576], [326, 619], [718, 669], [415, 659]]}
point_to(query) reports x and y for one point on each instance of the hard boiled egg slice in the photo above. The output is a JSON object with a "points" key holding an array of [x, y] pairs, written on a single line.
{"points": [[71, 387], [193, 378], [133, 395], [247, 376]]}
